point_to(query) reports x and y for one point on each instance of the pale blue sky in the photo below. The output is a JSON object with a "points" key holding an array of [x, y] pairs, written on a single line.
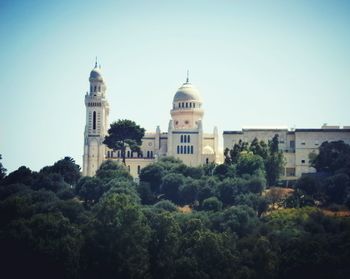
{"points": [[254, 62]]}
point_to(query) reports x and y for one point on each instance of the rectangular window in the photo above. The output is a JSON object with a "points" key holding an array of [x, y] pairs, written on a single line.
{"points": [[303, 161], [292, 144], [290, 171]]}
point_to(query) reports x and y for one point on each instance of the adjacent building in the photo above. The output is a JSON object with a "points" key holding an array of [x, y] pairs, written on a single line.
{"points": [[296, 144]]}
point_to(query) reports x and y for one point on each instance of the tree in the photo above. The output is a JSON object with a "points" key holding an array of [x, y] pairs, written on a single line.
{"points": [[333, 157], [212, 203], [124, 134], [111, 170], [2, 171], [274, 162], [67, 168], [251, 164], [152, 174], [171, 184]]}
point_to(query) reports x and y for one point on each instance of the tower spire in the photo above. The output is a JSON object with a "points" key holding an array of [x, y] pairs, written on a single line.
{"points": [[188, 76]]}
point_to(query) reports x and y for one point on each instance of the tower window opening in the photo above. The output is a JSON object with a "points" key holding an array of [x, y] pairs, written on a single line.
{"points": [[132, 154], [138, 169], [188, 149], [179, 105], [181, 149], [191, 149], [183, 104], [186, 105], [94, 121], [207, 161], [178, 149], [185, 137], [147, 154], [190, 105], [188, 138], [118, 154], [181, 138], [185, 149], [94, 88], [151, 154], [128, 154]]}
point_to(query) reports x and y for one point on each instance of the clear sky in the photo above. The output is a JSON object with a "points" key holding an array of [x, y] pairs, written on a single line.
{"points": [[256, 63]]}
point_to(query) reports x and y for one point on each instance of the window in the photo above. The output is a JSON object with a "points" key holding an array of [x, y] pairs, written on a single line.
{"points": [[188, 138], [292, 144], [303, 143], [151, 154], [183, 104], [94, 121], [290, 171], [207, 161], [138, 169], [181, 138], [191, 149], [178, 149], [99, 88], [185, 138], [303, 161], [185, 150], [190, 105], [118, 153], [132, 154], [128, 154], [186, 105], [181, 149], [94, 88], [194, 105], [179, 105], [188, 149], [147, 154]]}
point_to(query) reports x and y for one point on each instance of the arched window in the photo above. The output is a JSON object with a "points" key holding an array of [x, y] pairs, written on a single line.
{"points": [[191, 149], [147, 154], [207, 161], [94, 121], [132, 154], [188, 138], [185, 137], [128, 154], [178, 149], [181, 138], [183, 104], [138, 169], [185, 149], [181, 150], [186, 105], [179, 105], [188, 149], [151, 154], [112, 154]]}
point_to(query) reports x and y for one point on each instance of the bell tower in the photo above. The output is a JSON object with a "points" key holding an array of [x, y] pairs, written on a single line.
{"points": [[97, 112]]}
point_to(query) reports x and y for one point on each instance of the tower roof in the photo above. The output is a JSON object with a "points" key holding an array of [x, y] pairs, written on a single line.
{"points": [[95, 74], [187, 92]]}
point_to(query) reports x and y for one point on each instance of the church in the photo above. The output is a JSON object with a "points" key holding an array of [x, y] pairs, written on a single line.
{"points": [[184, 139]]}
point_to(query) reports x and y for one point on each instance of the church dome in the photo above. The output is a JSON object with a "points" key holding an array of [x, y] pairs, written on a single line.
{"points": [[187, 92], [95, 74]]}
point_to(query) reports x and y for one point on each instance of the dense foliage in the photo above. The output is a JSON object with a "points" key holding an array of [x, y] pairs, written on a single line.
{"points": [[177, 222]]}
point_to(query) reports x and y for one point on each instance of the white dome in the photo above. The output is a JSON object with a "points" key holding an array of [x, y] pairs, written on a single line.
{"points": [[207, 150], [187, 92], [96, 75]]}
